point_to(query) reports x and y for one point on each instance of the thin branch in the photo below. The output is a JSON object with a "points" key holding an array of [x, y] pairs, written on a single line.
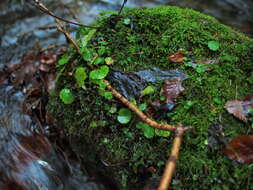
{"points": [[139, 113], [122, 6], [171, 162], [67, 35], [44, 9]]}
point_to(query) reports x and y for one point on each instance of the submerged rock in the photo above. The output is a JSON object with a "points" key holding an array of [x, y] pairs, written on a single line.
{"points": [[142, 39]]}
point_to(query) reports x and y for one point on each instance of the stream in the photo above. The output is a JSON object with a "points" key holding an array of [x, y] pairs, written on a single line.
{"points": [[29, 159]]}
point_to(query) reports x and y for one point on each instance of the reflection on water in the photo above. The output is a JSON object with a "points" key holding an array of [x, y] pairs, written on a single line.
{"points": [[28, 161]]}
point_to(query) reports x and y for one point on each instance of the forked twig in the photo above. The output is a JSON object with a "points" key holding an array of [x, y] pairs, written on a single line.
{"points": [[60, 27], [44, 9]]}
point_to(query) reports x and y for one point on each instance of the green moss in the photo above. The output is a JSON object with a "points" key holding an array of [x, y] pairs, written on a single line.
{"points": [[147, 41]]}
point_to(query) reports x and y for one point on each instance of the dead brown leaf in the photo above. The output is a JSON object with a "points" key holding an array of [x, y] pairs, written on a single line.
{"points": [[240, 149], [176, 57], [171, 90], [240, 108]]}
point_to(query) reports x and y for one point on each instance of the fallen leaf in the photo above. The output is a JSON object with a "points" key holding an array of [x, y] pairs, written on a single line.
{"points": [[171, 90], [176, 57], [240, 149], [240, 108]]}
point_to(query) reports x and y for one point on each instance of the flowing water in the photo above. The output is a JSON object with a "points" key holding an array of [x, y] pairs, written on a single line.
{"points": [[28, 160]]}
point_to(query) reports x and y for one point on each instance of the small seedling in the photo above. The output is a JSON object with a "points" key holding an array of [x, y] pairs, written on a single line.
{"points": [[67, 96], [124, 116], [99, 73], [80, 76], [213, 45]]}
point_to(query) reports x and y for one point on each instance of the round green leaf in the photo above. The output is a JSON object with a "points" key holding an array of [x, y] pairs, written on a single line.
{"points": [[148, 131], [213, 45], [148, 90], [124, 115], [86, 54], [98, 61], [64, 59], [99, 73], [66, 96], [80, 76], [109, 61], [126, 21], [142, 107]]}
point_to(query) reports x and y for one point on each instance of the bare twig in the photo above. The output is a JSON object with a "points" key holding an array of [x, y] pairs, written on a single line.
{"points": [[47, 27], [171, 162], [44, 9], [122, 6], [53, 46], [67, 35]]}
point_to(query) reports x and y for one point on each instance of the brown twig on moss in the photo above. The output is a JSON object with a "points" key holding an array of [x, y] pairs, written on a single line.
{"points": [[139, 113], [171, 162]]}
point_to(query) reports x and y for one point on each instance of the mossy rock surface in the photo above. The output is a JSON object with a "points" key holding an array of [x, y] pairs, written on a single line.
{"points": [[142, 39]]}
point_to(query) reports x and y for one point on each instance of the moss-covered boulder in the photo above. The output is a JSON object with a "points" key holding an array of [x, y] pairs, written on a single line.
{"points": [[142, 39]]}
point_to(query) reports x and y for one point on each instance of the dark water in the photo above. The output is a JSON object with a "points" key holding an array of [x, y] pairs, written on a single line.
{"points": [[28, 160]]}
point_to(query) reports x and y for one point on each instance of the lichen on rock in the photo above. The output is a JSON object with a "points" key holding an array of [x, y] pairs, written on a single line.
{"points": [[143, 39]]}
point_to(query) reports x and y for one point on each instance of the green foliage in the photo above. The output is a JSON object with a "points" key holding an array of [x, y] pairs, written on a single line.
{"points": [[213, 45], [67, 96], [148, 90], [148, 131], [109, 61], [107, 94], [85, 40], [127, 21], [64, 59], [142, 107], [80, 76], [99, 73], [87, 54], [124, 116], [162, 133], [200, 68]]}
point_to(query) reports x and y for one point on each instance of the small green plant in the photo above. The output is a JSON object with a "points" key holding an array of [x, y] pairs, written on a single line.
{"points": [[127, 21], [67, 96], [124, 116], [99, 73], [142, 107], [162, 133], [80, 76], [213, 45], [148, 90], [64, 59], [148, 131], [200, 68]]}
